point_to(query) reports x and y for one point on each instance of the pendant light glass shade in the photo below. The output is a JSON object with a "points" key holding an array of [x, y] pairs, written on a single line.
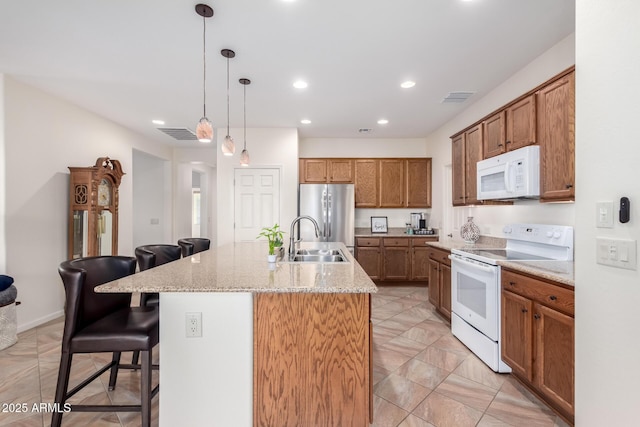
{"points": [[228, 146], [204, 129], [244, 156]]}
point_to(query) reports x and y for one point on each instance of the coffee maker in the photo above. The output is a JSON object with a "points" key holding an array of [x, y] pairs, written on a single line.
{"points": [[419, 223]]}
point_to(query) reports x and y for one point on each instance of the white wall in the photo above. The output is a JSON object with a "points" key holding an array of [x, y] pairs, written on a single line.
{"points": [[370, 148], [3, 182], [490, 219], [42, 136], [267, 147], [607, 159], [151, 199], [185, 162]]}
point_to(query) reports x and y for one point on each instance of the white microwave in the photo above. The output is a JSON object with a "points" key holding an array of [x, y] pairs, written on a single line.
{"points": [[512, 175]]}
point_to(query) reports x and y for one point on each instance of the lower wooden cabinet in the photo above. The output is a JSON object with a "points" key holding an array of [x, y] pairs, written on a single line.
{"points": [[538, 337], [440, 281], [312, 360], [395, 259]]}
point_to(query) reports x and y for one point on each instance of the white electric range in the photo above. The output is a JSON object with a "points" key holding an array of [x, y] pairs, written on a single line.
{"points": [[475, 283]]}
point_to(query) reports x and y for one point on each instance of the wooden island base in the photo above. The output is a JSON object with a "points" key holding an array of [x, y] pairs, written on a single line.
{"points": [[312, 359]]}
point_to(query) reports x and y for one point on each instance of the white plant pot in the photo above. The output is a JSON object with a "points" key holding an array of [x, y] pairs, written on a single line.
{"points": [[271, 258]]}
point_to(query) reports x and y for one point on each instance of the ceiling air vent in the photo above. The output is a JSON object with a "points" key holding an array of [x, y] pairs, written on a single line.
{"points": [[181, 134], [365, 130], [457, 96]]}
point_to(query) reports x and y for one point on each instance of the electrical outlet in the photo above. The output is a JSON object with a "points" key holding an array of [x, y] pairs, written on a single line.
{"points": [[193, 324]]}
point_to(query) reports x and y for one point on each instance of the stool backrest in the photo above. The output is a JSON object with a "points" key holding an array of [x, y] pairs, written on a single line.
{"points": [[193, 245], [150, 256], [83, 305]]}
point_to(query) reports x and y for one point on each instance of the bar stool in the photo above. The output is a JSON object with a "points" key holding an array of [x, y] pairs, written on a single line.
{"points": [[104, 323], [193, 245]]}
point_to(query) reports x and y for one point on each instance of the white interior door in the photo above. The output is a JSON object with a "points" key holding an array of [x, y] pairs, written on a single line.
{"points": [[257, 201]]}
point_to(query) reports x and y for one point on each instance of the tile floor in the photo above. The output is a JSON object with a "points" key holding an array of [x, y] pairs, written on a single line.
{"points": [[423, 376]]}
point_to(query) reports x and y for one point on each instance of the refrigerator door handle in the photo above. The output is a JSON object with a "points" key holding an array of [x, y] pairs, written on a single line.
{"points": [[329, 216], [324, 213]]}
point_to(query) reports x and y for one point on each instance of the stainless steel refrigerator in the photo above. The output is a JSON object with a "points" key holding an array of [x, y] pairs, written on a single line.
{"points": [[333, 207]]}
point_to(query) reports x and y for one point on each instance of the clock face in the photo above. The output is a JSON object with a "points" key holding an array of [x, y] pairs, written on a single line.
{"points": [[104, 193]]}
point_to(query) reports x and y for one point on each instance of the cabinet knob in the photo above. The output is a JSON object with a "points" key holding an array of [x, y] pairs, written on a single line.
{"points": [[512, 283], [536, 316], [499, 145], [569, 185], [507, 142], [524, 310], [553, 297]]}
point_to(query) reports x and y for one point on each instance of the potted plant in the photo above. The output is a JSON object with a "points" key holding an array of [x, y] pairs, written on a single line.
{"points": [[274, 236]]}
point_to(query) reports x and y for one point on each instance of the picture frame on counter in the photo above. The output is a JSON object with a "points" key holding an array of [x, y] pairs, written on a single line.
{"points": [[379, 224]]}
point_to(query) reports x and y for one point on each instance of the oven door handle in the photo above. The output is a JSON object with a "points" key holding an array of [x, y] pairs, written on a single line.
{"points": [[474, 264]]}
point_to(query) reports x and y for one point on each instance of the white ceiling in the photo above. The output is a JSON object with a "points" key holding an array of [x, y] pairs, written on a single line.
{"points": [[138, 60]]}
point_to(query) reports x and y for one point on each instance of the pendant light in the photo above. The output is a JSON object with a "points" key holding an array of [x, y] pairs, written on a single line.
{"points": [[204, 129], [228, 146], [244, 156]]}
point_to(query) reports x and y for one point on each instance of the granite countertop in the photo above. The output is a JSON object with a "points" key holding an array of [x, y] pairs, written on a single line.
{"points": [[243, 267], [392, 232], [557, 271]]}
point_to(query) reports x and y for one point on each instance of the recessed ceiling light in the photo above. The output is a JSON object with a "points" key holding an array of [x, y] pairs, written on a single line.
{"points": [[300, 84], [407, 84], [157, 122], [383, 121], [305, 121]]}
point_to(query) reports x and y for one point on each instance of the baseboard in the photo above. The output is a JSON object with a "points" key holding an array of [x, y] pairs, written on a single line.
{"points": [[40, 321]]}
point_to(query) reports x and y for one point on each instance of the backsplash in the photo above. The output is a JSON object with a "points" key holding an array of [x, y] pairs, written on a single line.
{"points": [[395, 217]]}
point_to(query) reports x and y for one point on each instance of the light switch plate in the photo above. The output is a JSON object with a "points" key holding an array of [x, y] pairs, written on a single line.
{"points": [[604, 215], [620, 253]]}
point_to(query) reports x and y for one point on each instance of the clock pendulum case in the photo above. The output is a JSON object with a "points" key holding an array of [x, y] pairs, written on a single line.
{"points": [[93, 209]]}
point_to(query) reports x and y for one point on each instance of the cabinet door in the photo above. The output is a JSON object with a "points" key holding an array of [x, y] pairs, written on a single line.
{"points": [[494, 135], [420, 263], [396, 263], [473, 154], [555, 356], [340, 170], [517, 339], [434, 283], [418, 183], [369, 260], [521, 123], [458, 169], [556, 126], [366, 183], [445, 290], [313, 170], [392, 183]]}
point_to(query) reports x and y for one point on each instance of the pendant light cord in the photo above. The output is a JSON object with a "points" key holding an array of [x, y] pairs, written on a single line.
{"points": [[227, 96], [245, 116], [204, 67]]}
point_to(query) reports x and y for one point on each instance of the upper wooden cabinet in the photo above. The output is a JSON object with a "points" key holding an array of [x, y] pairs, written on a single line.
{"points": [[418, 183], [379, 183], [494, 142], [556, 130], [366, 183], [473, 154], [326, 170], [458, 169], [521, 123], [511, 128], [392, 183]]}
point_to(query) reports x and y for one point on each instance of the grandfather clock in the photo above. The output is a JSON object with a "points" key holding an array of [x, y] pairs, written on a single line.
{"points": [[93, 209]]}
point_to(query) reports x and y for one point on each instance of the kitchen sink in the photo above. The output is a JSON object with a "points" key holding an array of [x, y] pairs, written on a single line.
{"points": [[318, 255]]}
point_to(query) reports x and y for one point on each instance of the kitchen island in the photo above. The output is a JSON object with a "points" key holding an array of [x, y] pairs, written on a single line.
{"points": [[281, 344]]}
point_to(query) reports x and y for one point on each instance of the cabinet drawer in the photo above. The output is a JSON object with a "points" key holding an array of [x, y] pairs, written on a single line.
{"points": [[548, 294], [368, 241], [440, 256], [398, 241], [422, 241]]}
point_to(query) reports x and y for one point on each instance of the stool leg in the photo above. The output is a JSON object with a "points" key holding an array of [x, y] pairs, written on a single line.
{"points": [[61, 388], [135, 358], [145, 387], [114, 370]]}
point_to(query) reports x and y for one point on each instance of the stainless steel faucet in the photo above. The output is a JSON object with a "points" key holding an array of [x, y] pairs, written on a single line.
{"points": [[292, 241]]}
